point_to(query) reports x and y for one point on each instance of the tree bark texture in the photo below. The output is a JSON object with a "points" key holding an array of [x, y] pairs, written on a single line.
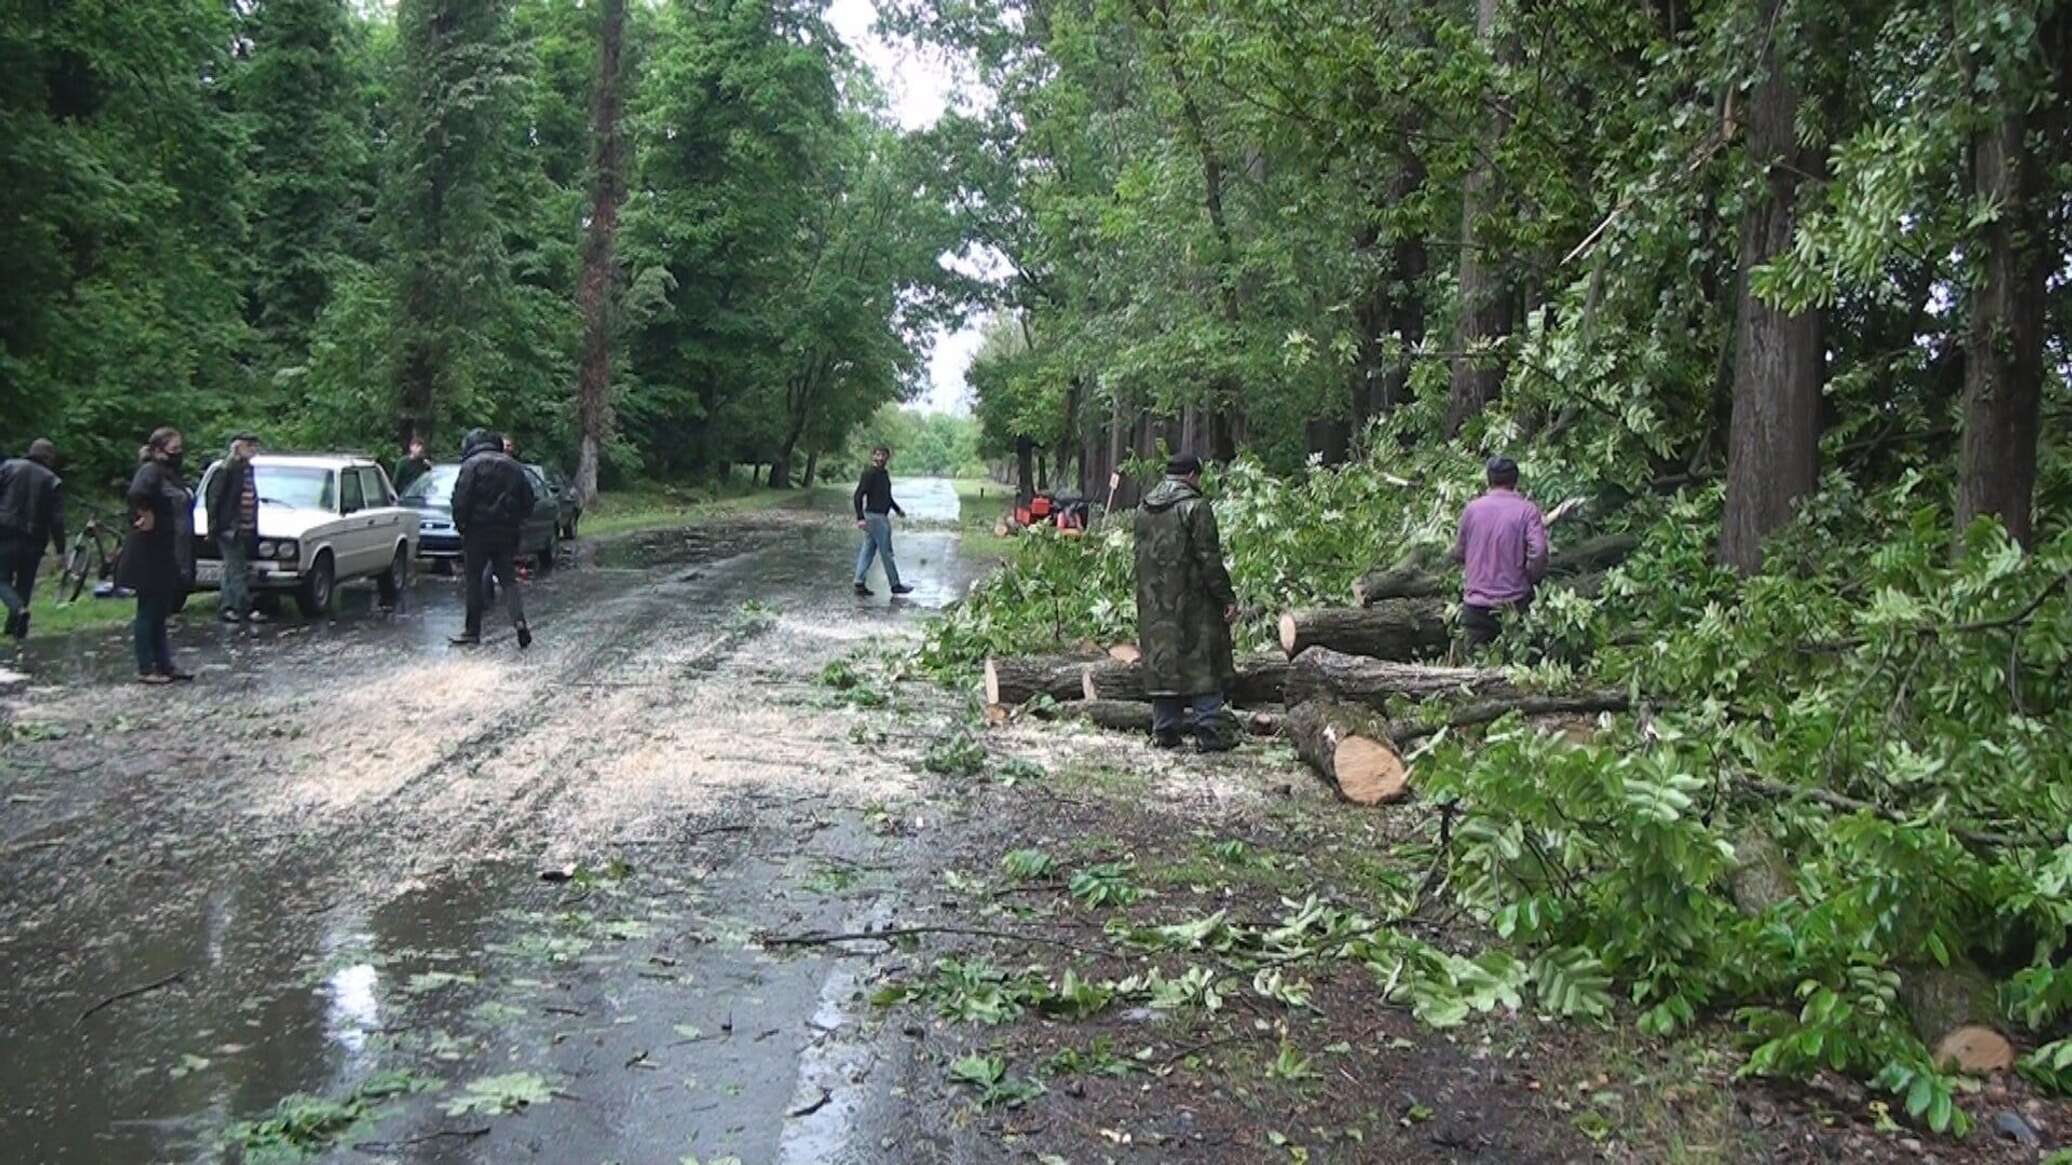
{"points": [[1132, 716], [1399, 629], [593, 380], [1321, 673], [1773, 453], [1349, 747], [1020, 679], [2003, 363], [1260, 680], [1485, 293]]}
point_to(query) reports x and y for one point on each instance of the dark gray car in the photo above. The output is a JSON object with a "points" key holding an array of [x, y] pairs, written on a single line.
{"points": [[439, 543], [568, 510]]}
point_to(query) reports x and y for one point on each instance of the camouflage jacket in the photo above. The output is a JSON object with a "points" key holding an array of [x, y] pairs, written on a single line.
{"points": [[1182, 590]]}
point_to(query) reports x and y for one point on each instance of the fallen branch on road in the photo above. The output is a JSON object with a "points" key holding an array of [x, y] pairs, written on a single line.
{"points": [[132, 993], [823, 938]]}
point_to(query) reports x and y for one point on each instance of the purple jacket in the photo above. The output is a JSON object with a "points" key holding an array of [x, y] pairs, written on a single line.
{"points": [[1503, 544]]}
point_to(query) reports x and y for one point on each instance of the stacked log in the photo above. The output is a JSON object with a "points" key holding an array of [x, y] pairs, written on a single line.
{"points": [[1417, 577], [1350, 748], [1260, 680], [1321, 673], [1397, 629], [1020, 679], [1132, 716], [1955, 1010]]}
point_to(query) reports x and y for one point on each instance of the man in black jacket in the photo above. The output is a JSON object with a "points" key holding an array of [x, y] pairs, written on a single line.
{"points": [[232, 497], [412, 467], [874, 510], [32, 512], [491, 501]]}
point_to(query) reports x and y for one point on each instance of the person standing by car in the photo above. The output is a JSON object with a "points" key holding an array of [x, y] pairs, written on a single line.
{"points": [[159, 508], [414, 466], [491, 501], [1185, 606], [32, 512], [233, 507], [874, 510]]}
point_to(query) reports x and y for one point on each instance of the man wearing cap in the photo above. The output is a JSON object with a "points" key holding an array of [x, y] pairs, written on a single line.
{"points": [[1185, 606], [32, 512], [233, 506], [1503, 546]]}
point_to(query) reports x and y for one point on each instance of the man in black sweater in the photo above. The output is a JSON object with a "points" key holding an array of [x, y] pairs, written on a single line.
{"points": [[32, 513], [491, 501], [874, 510]]}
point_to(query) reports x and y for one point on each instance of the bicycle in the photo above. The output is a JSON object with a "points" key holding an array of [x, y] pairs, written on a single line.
{"points": [[88, 558]]}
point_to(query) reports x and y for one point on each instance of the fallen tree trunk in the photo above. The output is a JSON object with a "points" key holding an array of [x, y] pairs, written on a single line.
{"points": [[1399, 629], [1321, 673], [1407, 730], [1417, 579], [1260, 680], [1349, 747], [1130, 716], [1020, 679], [1956, 1012]]}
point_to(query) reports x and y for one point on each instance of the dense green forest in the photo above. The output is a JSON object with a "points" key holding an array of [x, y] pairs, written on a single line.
{"points": [[680, 234]]}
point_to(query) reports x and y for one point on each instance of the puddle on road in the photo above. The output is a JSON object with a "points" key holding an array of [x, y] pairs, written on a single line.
{"points": [[626, 992]]}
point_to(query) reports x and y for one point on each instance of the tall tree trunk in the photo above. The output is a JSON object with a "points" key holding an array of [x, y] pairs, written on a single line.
{"points": [[593, 382], [1773, 453], [812, 469], [1024, 470], [2003, 362], [1485, 296]]}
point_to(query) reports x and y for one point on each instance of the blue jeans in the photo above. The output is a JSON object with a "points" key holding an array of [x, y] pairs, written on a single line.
{"points": [[877, 542], [1201, 715], [154, 650]]}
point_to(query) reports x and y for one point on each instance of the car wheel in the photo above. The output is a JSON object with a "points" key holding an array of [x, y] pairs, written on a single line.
{"points": [[544, 562], [391, 584], [314, 596]]}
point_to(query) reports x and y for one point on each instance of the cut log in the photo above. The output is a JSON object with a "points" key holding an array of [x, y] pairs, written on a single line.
{"points": [[1349, 747], [1955, 1010], [1420, 579], [1133, 716], [1762, 875], [1020, 679], [1405, 731], [1260, 680], [1321, 673], [1399, 629], [1125, 653]]}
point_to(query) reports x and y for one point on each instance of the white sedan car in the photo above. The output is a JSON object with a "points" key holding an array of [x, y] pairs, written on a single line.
{"points": [[323, 520]]}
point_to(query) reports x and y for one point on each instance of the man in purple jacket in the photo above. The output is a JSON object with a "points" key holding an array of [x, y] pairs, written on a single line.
{"points": [[1503, 545]]}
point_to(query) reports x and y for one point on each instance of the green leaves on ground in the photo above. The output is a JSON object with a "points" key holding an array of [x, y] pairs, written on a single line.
{"points": [[1105, 884], [305, 1126], [494, 1095], [988, 1074]]}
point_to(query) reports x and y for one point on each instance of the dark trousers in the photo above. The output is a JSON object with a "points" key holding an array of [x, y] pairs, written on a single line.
{"points": [[18, 562], [481, 556], [1201, 715], [154, 650], [1481, 625], [237, 576]]}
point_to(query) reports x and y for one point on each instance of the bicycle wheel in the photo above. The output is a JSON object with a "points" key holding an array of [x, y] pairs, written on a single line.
{"points": [[72, 577]]}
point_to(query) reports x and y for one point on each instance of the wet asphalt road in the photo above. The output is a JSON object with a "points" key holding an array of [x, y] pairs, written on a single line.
{"points": [[349, 850]]}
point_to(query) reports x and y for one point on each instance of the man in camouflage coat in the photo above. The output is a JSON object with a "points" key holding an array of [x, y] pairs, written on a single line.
{"points": [[1185, 606]]}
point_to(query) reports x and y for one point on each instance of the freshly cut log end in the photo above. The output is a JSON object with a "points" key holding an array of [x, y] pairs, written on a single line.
{"points": [[1125, 653], [1291, 633], [1976, 1050], [1369, 772], [1348, 747], [997, 714]]}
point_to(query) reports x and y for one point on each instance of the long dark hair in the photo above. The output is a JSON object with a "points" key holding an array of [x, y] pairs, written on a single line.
{"points": [[160, 437]]}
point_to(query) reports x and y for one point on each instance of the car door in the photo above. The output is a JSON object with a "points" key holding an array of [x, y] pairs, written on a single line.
{"points": [[539, 529], [354, 544], [388, 517]]}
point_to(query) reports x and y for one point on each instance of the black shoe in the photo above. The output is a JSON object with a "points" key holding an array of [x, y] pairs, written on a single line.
{"points": [[863, 590], [465, 639], [902, 590], [524, 637], [178, 676], [18, 625], [1166, 740], [1214, 744]]}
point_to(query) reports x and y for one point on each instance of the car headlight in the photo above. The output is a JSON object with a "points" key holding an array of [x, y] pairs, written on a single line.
{"points": [[266, 550], [286, 551]]}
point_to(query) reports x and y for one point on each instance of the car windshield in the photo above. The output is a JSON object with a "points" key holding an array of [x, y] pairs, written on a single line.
{"points": [[296, 486], [436, 485]]}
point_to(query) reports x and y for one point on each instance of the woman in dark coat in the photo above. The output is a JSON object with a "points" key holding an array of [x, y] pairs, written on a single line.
{"points": [[153, 558]]}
